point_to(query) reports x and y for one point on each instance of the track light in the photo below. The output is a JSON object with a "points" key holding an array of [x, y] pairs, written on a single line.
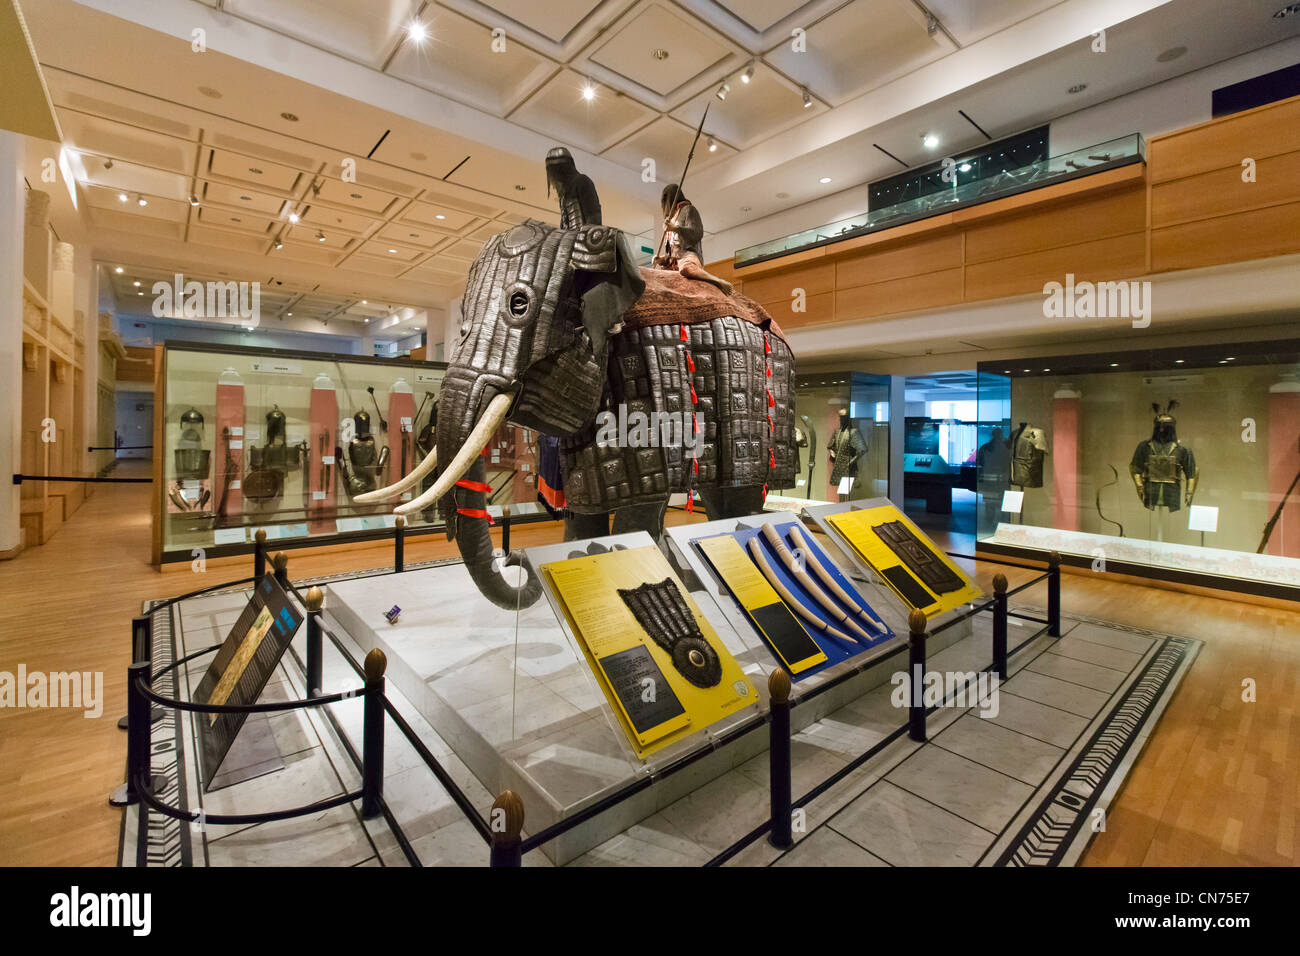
{"points": [[194, 200], [417, 32], [279, 244], [121, 197], [713, 145], [931, 25], [748, 74], [293, 218], [320, 236], [142, 201], [118, 270], [723, 90], [588, 92], [929, 140], [807, 98]]}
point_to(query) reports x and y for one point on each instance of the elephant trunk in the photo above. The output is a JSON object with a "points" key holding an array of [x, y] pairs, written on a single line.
{"points": [[462, 491]]}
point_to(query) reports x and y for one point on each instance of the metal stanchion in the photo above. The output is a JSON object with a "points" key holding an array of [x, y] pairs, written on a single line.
{"points": [[1054, 594], [139, 745], [916, 672], [259, 554], [142, 650], [313, 600], [506, 820], [1000, 625], [372, 734], [778, 689], [280, 561], [399, 544], [505, 530]]}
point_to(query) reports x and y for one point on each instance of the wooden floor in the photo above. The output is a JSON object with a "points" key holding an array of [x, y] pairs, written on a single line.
{"points": [[1219, 783]]}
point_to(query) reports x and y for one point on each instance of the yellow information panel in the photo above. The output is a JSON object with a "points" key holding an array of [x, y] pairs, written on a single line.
{"points": [[658, 661], [909, 562], [788, 639]]}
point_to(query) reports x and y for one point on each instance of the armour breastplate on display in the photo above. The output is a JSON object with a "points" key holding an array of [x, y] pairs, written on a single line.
{"points": [[1029, 446], [1162, 462]]}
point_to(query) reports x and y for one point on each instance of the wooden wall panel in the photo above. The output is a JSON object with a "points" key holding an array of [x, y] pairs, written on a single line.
{"points": [[1265, 131], [814, 279], [1221, 192], [1256, 234], [1118, 257], [1081, 220], [921, 256], [820, 309], [899, 295]]}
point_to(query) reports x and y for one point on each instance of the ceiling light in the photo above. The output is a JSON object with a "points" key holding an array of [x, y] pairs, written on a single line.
{"points": [[659, 53], [142, 201], [291, 117], [121, 197], [210, 92], [1077, 88], [363, 302], [807, 98], [246, 198], [139, 293], [439, 216], [194, 200], [713, 145], [824, 180], [279, 244], [254, 170], [964, 167], [588, 92], [929, 140], [293, 217], [118, 270], [320, 236], [136, 283], [417, 31], [520, 188], [748, 74], [931, 25], [1114, 364], [392, 252], [723, 90], [367, 321], [1178, 361]]}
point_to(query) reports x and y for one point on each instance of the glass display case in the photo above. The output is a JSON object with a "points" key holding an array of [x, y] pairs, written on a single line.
{"points": [[285, 441], [842, 431], [1177, 464], [967, 187]]}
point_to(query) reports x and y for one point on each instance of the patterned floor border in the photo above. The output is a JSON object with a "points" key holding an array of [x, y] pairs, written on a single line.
{"points": [[1056, 829]]}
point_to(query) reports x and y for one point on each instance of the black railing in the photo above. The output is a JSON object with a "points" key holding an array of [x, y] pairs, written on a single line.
{"points": [[502, 830]]}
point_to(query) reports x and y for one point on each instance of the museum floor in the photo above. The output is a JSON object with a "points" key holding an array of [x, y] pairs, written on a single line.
{"points": [[1218, 783]]}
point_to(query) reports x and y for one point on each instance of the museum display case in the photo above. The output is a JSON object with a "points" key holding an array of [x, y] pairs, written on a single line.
{"points": [[842, 422], [1176, 464], [286, 441]]}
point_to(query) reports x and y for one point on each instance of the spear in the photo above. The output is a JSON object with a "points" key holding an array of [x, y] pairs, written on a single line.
{"points": [[678, 185]]}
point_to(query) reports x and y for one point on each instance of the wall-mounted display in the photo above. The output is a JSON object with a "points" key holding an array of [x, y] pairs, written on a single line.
{"points": [[287, 441], [1175, 464]]}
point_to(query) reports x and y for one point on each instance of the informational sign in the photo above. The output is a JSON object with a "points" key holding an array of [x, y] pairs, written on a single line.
{"points": [[910, 563], [239, 672], [1202, 518], [656, 658], [1013, 501]]}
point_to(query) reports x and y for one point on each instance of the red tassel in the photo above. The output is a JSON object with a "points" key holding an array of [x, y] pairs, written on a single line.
{"points": [[769, 371], [690, 363], [765, 492], [771, 402], [767, 345], [771, 459], [696, 463], [685, 337], [694, 400], [690, 502]]}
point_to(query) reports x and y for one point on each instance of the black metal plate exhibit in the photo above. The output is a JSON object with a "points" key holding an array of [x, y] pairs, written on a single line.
{"points": [[627, 670], [908, 587], [239, 672]]}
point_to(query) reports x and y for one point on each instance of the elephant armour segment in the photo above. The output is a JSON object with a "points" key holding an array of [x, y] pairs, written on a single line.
{"points": [[730, 395]]}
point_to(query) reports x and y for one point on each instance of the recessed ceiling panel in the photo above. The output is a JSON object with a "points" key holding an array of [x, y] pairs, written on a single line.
{"points": [[327, 217], [554, 19], [660, 49], [668, 142], [356, 196], [394, 252], [441, 218], [138, 180], [249, 200], [411, 235], [761, 14], [969, 21], [227, 239], [255, 172], [103, 140], [361, 31], [561, 111], [751, 112], [234, 220], [458, 60]]}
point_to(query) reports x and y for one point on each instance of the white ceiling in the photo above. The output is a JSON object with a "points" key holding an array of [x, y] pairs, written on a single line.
{"points": [[258, 126]]}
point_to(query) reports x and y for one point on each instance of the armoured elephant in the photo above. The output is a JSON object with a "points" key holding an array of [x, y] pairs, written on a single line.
{"points": [[561, 334]]}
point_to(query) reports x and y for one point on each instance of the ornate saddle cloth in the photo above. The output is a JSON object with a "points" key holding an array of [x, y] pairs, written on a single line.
{"points": [[670, 298]]}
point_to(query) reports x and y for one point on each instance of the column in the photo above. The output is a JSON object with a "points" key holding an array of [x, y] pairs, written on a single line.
{"points": [[1065, 458], [12, 216], [1284, 465]]}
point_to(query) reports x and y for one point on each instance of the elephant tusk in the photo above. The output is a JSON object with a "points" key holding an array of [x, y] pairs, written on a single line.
{"points": [[801, 542], [405, 484], [838, 614], [756, 552], [496, 413]]}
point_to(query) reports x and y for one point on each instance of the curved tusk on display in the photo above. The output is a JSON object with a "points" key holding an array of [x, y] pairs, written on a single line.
{"points": [[838, 614], [406, 484], [803, 545], [756, 552], [492, 418]]}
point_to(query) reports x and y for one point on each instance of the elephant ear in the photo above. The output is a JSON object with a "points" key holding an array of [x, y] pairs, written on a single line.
{"points": [[613, 284]]}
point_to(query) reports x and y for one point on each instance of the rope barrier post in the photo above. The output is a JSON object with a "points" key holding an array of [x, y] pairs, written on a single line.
{"points": [[142, 650], [505, 530], [1054, 594], [313, 600], [372, 734], [507, 823], [1000, 625], [778, 689], [916, 671], [259, 555], [280, 561], [399, 544]]}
